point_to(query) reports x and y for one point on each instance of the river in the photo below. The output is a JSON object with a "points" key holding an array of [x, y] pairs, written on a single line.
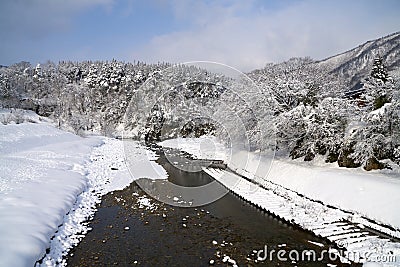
{"points": [[129, 230]]}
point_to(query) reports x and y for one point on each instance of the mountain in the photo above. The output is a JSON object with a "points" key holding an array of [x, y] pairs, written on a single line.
{"points": [[297, 106], [355, 65]]}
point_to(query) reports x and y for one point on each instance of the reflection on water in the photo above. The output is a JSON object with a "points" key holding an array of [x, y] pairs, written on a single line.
{"points": [[159, 238], [229, 207], [183, 188]]}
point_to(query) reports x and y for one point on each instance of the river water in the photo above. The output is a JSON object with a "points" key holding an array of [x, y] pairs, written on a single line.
{"points": [[128, 233]]}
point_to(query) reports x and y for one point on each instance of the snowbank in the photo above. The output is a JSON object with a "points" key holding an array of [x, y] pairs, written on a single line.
{"points": [[205, 147], [40, 179], [288, 189], [50, 183], [373, 194], [107, 171], [16, 116]]}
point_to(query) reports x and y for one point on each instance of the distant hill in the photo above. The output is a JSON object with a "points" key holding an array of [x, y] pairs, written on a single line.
{"points": [[355, 64]]}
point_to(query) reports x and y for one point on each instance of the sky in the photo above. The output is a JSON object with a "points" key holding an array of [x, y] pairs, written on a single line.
{"points": [[243, 34]]}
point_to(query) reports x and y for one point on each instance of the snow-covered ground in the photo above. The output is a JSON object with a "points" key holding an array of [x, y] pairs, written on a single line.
{"points": [[374, 194], [50, 184], [206, 147], [295, 187], [51, 181], [106, 171]]}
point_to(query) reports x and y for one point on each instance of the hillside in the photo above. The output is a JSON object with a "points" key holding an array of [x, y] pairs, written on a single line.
{"points": [[355, 65], [299, 107]]}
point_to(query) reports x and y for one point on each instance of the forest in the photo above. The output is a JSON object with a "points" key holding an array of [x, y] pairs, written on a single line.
{"points": [[300, 108]]}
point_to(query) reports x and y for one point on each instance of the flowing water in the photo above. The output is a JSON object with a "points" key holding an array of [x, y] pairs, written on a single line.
{"points": [[128, 233]]}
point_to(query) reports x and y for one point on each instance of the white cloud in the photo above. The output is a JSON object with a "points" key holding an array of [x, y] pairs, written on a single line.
{"points": [[245, 36]]}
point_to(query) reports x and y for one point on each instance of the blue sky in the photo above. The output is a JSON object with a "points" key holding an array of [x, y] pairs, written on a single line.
{"points": [[243, 34]]}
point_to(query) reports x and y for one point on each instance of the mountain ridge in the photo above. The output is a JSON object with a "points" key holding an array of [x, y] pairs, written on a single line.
{"points": [[355, 64]]}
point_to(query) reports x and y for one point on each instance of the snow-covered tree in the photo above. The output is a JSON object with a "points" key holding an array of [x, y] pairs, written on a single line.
{"points": [[378, 87], [377, 137], [298, 101]]}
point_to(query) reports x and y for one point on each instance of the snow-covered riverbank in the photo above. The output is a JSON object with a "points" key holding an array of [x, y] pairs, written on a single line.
{"points": [[50, 184], [305, 193], [372, 194], [52, 180], [106, 171], [41, 176]]}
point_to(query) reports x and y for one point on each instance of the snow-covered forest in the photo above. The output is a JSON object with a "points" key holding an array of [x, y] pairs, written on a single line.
{"points": [[313, 107], [313, 115]]}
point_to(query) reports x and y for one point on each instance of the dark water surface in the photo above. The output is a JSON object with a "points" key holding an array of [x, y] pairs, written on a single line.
{"points": [[165, 235]]}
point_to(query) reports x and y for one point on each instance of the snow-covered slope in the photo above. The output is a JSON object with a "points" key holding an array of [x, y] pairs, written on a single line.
{"points": [[371, 194], [50, 183], [106, 171], [333, 203], [355, 64], [41, 175]]}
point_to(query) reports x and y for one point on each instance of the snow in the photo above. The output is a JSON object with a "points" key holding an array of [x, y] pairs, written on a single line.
{"points": [[50, 184], [376, 115], [205, 147], [373, 194], [107, 171], [229, 260], [40, 179], [141, 162], [15, 116], [145, 203], [327, 222], [304, 193]]}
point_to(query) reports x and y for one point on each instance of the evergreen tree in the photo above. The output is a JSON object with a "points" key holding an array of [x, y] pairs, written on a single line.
{"points": [[376, 139], [378, 87], [379, 71]]}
